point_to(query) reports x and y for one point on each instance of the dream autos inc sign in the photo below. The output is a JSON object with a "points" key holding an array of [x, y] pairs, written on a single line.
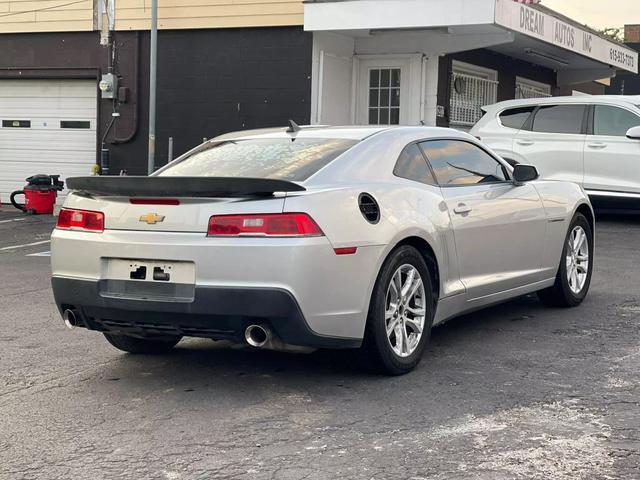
{"points": [[537, 24]]}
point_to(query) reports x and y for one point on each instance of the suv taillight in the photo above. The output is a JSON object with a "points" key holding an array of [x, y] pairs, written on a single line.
{"points": [[73, 219], [269, 225]]}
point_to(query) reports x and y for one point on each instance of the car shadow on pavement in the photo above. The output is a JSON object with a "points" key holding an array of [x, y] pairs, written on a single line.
{"points": [[215, 367], [631, 219]]}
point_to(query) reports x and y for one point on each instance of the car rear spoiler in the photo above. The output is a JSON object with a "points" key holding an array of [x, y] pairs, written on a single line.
{"points": [[180, 186]]}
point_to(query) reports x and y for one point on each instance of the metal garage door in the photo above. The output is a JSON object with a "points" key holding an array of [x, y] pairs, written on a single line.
{"points": [[46, 126]]}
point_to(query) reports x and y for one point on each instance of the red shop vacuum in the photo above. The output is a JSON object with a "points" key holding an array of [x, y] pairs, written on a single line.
{"points": [[40, 194]]}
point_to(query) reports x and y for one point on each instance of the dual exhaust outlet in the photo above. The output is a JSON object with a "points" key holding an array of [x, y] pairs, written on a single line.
{"points": [[70, 320], [261, 336], [258, 336]]}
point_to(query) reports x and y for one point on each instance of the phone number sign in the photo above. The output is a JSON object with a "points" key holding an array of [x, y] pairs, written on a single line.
{"points": [[534, 23]]}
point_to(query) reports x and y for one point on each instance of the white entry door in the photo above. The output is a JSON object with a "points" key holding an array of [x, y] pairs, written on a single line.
{"points": [[388, 90], [46, 126]]}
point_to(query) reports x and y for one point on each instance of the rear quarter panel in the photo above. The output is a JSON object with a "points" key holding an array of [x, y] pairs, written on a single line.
{"points": [[407, 209]]}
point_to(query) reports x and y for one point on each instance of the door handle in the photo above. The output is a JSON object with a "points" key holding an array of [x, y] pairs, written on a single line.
{"points": [[524, 143], [462, 209], [596, 145]]}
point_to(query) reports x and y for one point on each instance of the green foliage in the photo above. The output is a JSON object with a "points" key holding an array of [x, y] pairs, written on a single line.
{"points": [[614, 33]]}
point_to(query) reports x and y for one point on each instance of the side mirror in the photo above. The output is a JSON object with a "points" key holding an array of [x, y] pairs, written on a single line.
{"points": [[634, 133], [525, 173]]}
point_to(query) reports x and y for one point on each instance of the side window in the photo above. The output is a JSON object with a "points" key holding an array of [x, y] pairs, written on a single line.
{"points": [[613, 121], [413, 166], [559, 119], [515, 117], [456, 162]]}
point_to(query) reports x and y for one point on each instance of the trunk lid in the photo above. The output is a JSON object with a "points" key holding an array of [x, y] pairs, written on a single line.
{"points": [[174, 204], [190, 215]]}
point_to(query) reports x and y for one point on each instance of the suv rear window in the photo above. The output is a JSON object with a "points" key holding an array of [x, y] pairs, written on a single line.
{"points": [[279, 158], [515, 117], [559, 119]]}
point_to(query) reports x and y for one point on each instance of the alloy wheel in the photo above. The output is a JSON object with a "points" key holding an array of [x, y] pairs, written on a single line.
{"points": [[577, 259], [405, 310]]}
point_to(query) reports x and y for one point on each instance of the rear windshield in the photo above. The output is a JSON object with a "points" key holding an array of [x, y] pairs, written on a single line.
{"points": [[280, 158]]}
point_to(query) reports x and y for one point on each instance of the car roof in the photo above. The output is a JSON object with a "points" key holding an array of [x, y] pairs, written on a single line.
{"points": [[350, 132], [306, 131], [628, 99]]}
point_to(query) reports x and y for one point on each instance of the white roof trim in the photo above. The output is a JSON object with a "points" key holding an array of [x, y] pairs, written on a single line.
{"points": [[395, 14], [365, 15]]}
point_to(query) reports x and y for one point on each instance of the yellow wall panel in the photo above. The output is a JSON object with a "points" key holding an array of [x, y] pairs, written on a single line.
{"points": [[184, 14], [220, 22], [45, 15], [78, 15]]}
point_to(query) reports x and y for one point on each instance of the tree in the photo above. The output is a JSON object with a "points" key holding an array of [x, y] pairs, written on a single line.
{"points": [[614, 33]]}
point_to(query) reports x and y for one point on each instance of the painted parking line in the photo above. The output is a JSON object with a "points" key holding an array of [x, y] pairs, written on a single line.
{"points": [[41, 254], [33, 244], [12, 220]]}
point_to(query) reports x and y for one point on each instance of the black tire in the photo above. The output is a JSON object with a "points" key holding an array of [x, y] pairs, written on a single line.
{"points": [[376, 353], [142, 345], [560, 294]]}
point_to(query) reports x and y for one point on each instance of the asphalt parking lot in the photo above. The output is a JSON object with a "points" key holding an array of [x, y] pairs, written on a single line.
{"points": [[515, 391]]}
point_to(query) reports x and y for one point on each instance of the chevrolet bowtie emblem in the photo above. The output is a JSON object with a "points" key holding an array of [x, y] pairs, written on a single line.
{"points": [[152, 218]]}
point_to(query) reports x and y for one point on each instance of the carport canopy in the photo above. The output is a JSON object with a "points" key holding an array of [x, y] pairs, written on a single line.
{"points": [[532, 33]]}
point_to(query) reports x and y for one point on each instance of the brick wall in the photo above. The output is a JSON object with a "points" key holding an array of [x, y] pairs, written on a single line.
{"points": [[632, 33]]}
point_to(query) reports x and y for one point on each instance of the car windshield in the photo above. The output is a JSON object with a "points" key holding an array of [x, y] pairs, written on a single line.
{"points": [[294, 159]]}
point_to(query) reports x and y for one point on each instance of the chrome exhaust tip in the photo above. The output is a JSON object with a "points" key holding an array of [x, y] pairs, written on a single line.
{"points": [[257, 335], [261, 336], [69, 318]]}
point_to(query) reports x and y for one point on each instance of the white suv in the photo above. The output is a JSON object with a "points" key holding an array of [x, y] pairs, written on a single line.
{"points": [[590, 140]]}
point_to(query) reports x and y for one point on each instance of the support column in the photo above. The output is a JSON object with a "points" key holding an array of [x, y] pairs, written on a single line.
{"points": [[430, 69]]}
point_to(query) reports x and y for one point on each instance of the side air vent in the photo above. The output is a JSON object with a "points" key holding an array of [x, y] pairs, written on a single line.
{"points": [[369, 208]]}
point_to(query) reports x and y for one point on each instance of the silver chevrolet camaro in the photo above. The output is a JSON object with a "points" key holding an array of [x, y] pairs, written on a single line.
{"points": [[317, 237]]}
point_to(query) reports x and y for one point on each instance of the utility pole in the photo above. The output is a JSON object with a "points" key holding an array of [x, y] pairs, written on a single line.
{"points": [[153, 64]]}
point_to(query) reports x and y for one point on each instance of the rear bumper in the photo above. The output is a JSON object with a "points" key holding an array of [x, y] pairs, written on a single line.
{"points": [[332, 291], [215, 312]]}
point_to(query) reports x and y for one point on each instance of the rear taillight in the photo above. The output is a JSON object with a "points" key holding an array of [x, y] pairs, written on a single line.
{"points": [[270, 225], [72, 219]]}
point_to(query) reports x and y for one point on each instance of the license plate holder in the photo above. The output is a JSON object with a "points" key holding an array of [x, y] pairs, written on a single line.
{"points": [[154, 280]]}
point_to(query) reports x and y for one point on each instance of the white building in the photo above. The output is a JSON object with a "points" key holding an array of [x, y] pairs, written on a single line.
{"points": [[439, 61]]}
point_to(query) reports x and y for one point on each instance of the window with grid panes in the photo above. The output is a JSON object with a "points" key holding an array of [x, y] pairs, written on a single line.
{"points": [[384, 96]]}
